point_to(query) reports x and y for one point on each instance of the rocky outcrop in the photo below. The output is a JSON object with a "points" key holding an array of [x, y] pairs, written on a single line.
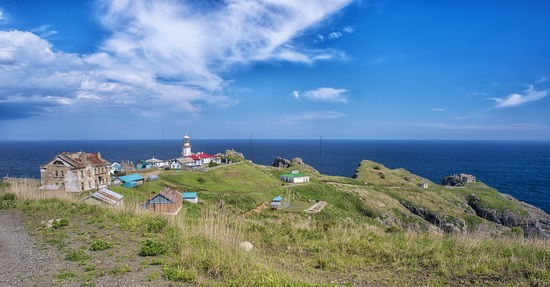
{"points": [[446, 222], [233, 154], [296, 162], [452, 181], [535, 223]]}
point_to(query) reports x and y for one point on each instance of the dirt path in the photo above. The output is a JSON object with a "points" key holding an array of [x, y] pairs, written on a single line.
{"points": [[258, 209], [316, 207], [22, 262]]}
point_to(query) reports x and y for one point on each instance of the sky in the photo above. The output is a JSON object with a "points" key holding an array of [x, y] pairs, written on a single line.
{"points": [[336, 69]]}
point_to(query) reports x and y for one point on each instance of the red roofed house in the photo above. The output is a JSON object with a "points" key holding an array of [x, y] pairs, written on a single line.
{"points": [[167, 201], [203, 158], [75, 172]]}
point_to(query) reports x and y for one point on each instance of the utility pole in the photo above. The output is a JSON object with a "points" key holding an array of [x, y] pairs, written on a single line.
{"points": [[320, 153], [251, 148]]}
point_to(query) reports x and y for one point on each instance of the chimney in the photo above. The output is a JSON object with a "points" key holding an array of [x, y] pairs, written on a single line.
{"points": [[99, 155], [83, 157]]}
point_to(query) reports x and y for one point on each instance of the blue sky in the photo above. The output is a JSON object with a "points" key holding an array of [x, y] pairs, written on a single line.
{"points": [[342, 69]]}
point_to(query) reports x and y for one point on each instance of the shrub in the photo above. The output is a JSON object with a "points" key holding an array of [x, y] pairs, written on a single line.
{"points": [[155, 224], [100, 245], [179, 274], [6, 200], [76, 256], [376, 167], [149, 247], [212, 164], [201, 180], [60, 223], [121, 270]]}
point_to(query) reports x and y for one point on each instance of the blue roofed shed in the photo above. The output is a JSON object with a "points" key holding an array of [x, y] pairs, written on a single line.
{"points": [[192, 197], [131, 180], [276, 202]]}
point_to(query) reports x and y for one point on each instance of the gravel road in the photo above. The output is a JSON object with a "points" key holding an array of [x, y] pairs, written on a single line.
{"points": [[23, 262]]}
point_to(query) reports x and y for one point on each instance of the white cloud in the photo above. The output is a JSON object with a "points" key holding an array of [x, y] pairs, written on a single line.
{"points": [[527, 96], [438, 110], [296, 94], [348, 29], [543, 79], [334, 35], [312, 116], [326, 95], [44, 31], [161, 55]]}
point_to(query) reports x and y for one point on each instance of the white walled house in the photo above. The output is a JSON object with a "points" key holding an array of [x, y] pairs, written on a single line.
{"points": [[294, 177], [179, 163]]}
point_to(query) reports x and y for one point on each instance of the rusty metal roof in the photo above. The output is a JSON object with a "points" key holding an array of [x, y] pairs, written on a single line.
{"points": [[107, 196], [81, 159], [171, 194]]}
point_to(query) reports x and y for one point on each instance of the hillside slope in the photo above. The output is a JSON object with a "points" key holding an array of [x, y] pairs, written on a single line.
{"points": [[374, 231]]}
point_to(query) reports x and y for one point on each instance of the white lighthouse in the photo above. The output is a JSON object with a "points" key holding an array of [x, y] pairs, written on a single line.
{"points": [[186, 146]]}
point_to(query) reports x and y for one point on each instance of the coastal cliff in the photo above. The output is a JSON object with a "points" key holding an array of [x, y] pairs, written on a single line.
{"points": [[465, 208]]}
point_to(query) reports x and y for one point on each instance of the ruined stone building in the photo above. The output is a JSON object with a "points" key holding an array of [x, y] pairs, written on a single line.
{"points": [[75, 172]]}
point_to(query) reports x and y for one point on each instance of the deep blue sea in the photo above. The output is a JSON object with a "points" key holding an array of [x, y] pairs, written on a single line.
{"points": [[518, 168]]}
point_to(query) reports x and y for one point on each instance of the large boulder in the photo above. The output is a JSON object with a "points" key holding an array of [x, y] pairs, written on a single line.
{"points": [[281, 162], [295, 162]]}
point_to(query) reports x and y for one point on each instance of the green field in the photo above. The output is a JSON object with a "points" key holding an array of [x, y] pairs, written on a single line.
{"points": [[365, 236]]}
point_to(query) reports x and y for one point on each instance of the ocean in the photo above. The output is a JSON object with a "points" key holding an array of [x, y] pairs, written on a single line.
{"points": [[518, 168]]}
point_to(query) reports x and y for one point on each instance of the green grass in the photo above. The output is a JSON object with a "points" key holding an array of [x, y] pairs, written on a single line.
{"points": [[363, 237]]}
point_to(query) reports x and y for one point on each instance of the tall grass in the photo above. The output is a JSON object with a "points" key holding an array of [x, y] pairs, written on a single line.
{"points": [[297, 249]]}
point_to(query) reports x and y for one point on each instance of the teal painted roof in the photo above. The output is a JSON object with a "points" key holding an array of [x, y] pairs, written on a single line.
{"points": [[293, 175], [278, 198], [189, 195], [131, 177]]}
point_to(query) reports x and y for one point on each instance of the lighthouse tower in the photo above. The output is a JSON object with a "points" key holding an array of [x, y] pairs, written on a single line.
{"points": [[186, 146]]}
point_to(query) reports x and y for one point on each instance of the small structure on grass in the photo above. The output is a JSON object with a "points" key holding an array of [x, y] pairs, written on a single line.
{"points": [[108, 196], [294, 177], [276, 203], [167, 201], [423, 185], [192, 197], [131, 180]]}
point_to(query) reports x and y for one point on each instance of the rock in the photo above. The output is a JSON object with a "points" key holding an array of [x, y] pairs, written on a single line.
{"points": [[297, 162], [452, 181], [536, 223], [445, 222], [234, 154], [281, 162], [246, 246]]}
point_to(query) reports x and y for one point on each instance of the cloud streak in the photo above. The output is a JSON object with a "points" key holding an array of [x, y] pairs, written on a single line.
{"points": [[312, 116], [324, 95], [529, 95]]}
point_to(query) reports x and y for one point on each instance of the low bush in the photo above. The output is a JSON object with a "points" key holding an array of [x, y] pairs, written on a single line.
{"points": [[178, 273], [79, 255], [100, 245], [60, 223], [149, 247]]}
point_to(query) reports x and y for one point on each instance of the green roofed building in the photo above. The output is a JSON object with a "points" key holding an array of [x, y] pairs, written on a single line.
{"points": [[294, 177]]}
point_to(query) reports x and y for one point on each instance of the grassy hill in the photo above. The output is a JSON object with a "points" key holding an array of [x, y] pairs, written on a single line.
{"points": [[377, 229]]}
